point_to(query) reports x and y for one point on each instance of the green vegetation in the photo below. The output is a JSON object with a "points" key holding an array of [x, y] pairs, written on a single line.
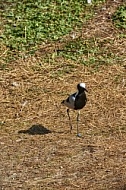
{"points": [[119, 18], [28, 26], [29, 23], [92, 51]]}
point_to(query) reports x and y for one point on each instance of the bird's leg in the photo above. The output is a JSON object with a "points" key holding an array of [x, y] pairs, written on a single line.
{"points": [[69, 120], [78, 114]]}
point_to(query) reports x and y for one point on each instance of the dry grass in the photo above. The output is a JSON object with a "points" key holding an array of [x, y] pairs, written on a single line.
{"points": [[30, 104]]}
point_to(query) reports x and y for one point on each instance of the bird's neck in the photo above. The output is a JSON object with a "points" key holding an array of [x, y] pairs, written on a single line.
{"points": [[80, 91]]}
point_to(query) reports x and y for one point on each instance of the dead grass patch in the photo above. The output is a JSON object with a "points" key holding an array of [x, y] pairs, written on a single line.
{"points": [[30, 95], [59, 159]]}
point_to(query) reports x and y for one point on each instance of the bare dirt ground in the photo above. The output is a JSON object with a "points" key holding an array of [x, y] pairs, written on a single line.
{"points": [[37, 150]]}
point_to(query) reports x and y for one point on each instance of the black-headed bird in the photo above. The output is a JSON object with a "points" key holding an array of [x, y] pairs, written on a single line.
{"points": [[76, 101]]}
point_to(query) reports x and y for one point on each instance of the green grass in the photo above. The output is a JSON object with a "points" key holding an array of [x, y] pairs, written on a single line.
{"points": [[28, 24], [119, 18], [92, 51]]}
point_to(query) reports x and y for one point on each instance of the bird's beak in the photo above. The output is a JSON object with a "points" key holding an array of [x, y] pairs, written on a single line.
{"points": [[86, 90]]}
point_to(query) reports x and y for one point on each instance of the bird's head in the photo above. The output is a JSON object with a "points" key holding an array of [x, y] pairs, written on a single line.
{"points": [[81, 87]]}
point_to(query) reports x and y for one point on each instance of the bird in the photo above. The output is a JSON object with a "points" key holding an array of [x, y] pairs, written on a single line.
{"points": [[76, 101]]}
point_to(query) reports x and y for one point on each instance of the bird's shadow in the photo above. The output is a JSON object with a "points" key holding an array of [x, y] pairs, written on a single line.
{"points": [[36, 129]]}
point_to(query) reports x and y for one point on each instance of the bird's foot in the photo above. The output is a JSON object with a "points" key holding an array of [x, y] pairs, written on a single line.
{"points": [[79, 135]]}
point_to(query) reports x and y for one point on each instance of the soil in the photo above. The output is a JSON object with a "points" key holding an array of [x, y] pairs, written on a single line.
{"points": [[37, 149]]}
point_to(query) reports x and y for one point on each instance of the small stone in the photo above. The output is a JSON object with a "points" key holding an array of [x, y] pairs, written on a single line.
{"points": [[15, 84]]}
